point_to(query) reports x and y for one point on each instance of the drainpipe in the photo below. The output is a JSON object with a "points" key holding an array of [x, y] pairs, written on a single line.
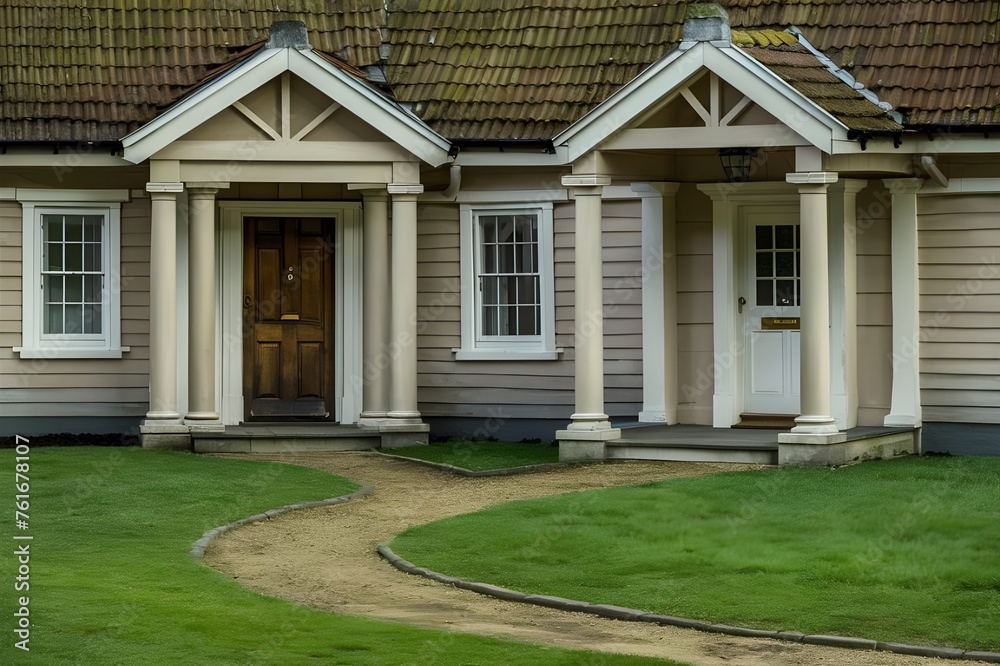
{"points": [[930, 167], [450, 193]]}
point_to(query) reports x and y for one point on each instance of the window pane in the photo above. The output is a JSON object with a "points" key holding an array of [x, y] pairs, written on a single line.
{"points": [[74, 289], [489, 226], [74, 228], [764, 292], [54, 318], [785, 291], [52, 285], [508, 290], [92, 319], [527, 320], [74, 319], [505, 258], [505, 229], [784, 236], [508, 320], [92, 228], [489, 259], [53, 227], [489, 321], [92, 288], [764, 241], [489, 290], [74, 257], [765, 264], [785, 264], [527, 289], [92, 257], [53, 259]]}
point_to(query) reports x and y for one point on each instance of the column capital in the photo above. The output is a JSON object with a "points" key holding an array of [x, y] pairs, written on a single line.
{"points": [[585, 180], [205, 190], [374, 194], [163, 188], [850, 185], [655, 189], [812, 178], [903, 185], [396, 189]]}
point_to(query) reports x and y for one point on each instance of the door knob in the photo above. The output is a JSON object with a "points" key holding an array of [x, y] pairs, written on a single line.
{"points": [[741, 302]]}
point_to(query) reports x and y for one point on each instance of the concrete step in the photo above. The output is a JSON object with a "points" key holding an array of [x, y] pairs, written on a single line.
{"points": [[286, 438], [623, 450]]}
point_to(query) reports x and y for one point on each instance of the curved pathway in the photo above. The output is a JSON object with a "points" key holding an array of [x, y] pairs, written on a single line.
{"points": [[326, 557]]}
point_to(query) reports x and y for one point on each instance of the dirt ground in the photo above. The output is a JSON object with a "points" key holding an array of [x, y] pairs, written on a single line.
{"points": [[326, 558]]}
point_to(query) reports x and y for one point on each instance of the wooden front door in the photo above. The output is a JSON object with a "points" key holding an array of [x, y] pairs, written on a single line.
{"points": [[288, 318]]}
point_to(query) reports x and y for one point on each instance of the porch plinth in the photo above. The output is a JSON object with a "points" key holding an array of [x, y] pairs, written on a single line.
{"points": [[174, 437], [819, 450], [395, 436], [578, 445]]}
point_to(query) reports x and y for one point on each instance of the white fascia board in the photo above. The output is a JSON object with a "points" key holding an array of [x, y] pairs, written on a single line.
{"points": [[392, 120], [776, 96], [204, 104], [917, 143], [763, 86], [629, 101]]}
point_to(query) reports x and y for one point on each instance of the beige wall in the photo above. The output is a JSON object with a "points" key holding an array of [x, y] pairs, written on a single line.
{"points": [[874, 245], [694, 306], [959, 238], [528, 389], [78, 387]]}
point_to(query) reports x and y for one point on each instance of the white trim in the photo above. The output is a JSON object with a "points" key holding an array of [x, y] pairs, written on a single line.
{"points": [[504, 197], [541, 347], [34, 204], [348, 277], [963, 186], [660, 82], [363, 101]]}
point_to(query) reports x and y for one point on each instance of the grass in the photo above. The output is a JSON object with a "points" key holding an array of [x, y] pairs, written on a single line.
{"points": [[111, 581], [479, 456], [902, 550]]}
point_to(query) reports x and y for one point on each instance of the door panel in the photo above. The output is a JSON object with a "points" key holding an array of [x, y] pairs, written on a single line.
{"points": [[288, 318], [772, 288]]}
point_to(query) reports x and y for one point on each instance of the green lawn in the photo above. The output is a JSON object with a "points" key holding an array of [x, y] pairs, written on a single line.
{"points": [[111, 581], [905, 550], [478, 456]]}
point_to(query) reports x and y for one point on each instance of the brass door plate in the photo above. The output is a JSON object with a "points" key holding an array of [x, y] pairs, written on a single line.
{"points": [[779, 323], [289, 317]]}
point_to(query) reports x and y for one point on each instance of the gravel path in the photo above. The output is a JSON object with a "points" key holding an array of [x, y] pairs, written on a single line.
{"points": [[326, 558]]}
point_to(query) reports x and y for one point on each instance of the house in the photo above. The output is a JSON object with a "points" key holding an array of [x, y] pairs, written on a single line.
{"points": [[502, 221]]}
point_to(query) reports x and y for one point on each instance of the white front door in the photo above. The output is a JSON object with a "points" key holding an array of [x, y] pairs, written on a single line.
{"points": [[770, 314]]}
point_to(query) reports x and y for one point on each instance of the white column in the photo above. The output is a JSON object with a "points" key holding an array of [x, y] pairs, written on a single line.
{"points": [[905, 409], [376, 306], [201, 304], [589, 305], [163, 303], [403, 316], [844, 302], [659, 302], [814, 362]]}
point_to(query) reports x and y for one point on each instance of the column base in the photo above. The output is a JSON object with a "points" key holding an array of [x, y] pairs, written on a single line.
{"points": [[589, 422], [901, 421], [577, 445], [165, 436], [652, 416], [373, 420], [815, 425], [397, 435]]}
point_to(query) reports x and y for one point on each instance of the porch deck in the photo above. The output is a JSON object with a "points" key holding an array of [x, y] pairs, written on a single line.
{"points": [[286, 438], [696, 443]]}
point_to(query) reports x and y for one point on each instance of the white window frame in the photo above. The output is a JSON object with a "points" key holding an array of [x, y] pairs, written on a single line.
{"points": [[506, 348], [34, 205]]}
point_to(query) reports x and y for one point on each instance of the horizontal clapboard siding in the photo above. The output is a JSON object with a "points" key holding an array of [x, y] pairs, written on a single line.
{"points": [[528, 389], [695, 342], [874, 256], [78, 387], [959, 253]]}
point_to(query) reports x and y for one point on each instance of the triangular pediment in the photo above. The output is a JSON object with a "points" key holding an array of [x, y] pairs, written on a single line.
{"points": [[287, 105], [286, 109], [703, 95]]}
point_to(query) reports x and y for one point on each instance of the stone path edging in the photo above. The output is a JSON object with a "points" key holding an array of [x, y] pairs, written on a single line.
{"points": [[199, 546], [635, 615], [462, 471]]}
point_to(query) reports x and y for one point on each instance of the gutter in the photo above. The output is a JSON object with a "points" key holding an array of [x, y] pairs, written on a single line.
{"points": [[544, 145], [113, 147]]}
